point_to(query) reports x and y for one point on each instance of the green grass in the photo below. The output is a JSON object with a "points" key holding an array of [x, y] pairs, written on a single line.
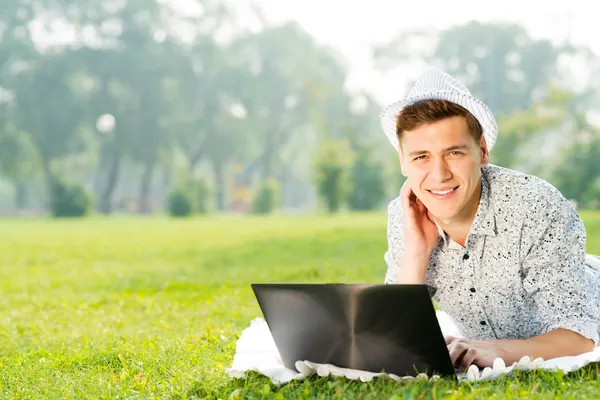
{"points": [[151, 308]]}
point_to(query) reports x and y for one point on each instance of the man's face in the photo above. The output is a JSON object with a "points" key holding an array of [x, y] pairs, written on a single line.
{"points": [[442, 164]]}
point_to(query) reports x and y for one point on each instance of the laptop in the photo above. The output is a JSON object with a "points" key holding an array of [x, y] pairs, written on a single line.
{"points": [[370, 327]]}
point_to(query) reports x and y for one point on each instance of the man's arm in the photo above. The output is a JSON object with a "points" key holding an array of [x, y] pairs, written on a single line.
{"points": [[557, 343], [563, 294], [554, 344]]}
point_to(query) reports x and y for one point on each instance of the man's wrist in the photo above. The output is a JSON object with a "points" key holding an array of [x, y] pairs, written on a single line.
{"points": [[416, 261], [512, 350], [413, 270], [509, 350]]}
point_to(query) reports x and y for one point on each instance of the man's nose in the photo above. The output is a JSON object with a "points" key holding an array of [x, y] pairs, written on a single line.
{"points": [[440, 171]]}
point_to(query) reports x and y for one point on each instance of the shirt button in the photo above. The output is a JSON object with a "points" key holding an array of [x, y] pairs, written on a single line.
{"points": [[466, 257], [472, 290], [483, 323]]}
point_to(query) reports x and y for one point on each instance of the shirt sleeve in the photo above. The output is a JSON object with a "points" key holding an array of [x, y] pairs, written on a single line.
{"points": [[395, 239], [563, 293]]}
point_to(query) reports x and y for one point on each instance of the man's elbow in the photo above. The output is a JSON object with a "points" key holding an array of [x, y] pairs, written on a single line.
{"points": [[576, 342], [588, 345]]}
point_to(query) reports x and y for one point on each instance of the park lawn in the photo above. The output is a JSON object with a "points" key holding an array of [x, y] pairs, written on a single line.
{"points": [[152, 307]]}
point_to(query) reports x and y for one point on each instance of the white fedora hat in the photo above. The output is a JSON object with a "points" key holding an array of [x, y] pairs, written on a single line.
{"points": [[437, 84]]}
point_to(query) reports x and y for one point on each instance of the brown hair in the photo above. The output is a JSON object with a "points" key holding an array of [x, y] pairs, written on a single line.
{"points": [[429, 111]]}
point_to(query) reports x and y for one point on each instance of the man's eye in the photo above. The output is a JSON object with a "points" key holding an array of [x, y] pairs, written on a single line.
{"points": [[456, 153], [419, 158]]}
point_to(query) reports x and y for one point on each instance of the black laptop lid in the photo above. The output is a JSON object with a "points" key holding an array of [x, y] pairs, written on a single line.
{"points": [[377, 328]]}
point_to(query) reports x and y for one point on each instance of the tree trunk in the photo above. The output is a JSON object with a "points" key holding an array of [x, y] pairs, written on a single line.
{"points": [[220, 182], [145, 205], [165, 187], [114, 166], [194, 159], [167, 176], [267, 160], [48, 178], [101, 171], [21, 194], [270, 157], [49, 181]]}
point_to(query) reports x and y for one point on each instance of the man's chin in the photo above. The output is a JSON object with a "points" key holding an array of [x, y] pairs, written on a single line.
{"points": [[442, 216]]}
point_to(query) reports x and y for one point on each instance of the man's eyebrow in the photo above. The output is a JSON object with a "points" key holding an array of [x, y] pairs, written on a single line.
{"points": [[452, 148], [458, 147], [417, 153]]}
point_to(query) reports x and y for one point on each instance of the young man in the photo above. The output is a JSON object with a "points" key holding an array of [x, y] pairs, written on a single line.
{"points": [[504, 252]]}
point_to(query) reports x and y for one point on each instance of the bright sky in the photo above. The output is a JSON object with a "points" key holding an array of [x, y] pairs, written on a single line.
{"points": [[352, 26]]}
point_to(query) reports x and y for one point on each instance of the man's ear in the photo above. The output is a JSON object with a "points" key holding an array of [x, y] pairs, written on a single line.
{"points": [[485, 153], [401, 158]]}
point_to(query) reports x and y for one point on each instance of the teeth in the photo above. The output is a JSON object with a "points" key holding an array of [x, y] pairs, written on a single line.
{"points": [[442, 193]]}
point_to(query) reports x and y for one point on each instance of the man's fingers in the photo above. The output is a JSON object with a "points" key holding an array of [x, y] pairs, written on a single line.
{"points": [[456, 350], [430, 217], [468, 359], [410, 202], [421, 206], [449, 339], [405, 189], [405, 194]]}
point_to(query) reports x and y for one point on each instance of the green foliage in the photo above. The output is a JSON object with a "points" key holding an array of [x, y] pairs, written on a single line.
{"points": [[59, 94], [202, 195], [267, 198], [331, 162], [499, 62], [591, 196], [518, 129], [576, 172], [490, 49], [188, 197], [259, 98], [18, 158], [367, 181], [68, 199], [180, 202]]}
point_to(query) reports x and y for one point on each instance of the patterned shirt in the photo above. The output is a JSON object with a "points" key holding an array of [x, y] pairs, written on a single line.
{"points": [[523, 270]]}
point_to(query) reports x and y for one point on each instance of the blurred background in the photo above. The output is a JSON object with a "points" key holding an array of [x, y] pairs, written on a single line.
{"points": [[222, 106]]}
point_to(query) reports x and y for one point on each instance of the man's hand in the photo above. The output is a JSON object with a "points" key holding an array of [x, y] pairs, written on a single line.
{"points": [[420, 238], [420, 232], [482, 353]]}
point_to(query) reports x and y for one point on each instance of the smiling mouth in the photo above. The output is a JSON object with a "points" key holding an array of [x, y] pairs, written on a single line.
{"points": [[442, 192]]}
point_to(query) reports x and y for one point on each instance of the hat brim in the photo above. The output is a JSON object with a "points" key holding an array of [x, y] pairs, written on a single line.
{"points": [[475, 106]]}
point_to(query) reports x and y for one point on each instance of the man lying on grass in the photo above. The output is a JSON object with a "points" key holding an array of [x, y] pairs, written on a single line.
{"points": [[504, 252]]}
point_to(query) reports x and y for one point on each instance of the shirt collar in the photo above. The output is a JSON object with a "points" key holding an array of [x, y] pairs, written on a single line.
{"points": [[484, 222], [485, 219], [448, 242]]}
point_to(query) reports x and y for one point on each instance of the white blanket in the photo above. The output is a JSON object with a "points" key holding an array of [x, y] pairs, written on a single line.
{"points": [[256, 351]]}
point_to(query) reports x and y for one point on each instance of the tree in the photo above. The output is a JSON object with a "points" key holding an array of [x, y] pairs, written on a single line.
{"points": [[499, 62], [332, 161], [45, 109], [533, 127], [576, 171], [128, 73], [258, 98], [366, 181], [291, 87], [18, 161]]}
